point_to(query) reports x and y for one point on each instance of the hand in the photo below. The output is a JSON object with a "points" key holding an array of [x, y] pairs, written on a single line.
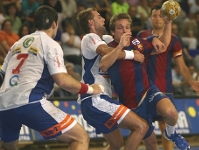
{"points": [[97, 88], [125, 39], [165, 18], [138, 56], [195, 86], [158, 45]]}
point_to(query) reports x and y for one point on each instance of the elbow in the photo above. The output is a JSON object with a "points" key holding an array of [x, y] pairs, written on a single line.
{"points": [[103, 67]]}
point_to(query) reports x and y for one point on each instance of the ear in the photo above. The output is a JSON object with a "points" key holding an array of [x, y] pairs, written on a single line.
{"points": [[54, 25], [112, 33], [90, 22]]}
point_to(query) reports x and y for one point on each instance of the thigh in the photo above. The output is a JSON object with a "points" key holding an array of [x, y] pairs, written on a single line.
{"points": [[103, 113], [10, 125], [144, 112], [165, 106], [76, 133], [47, 119]]}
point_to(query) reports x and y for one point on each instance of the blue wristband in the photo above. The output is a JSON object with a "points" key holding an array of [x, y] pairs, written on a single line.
{"points": [[150, 38]]}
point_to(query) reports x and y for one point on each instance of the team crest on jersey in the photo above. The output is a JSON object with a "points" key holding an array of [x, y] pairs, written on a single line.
{"points": [[137, 43], [28, 42], [33, 50], [16, 50]]}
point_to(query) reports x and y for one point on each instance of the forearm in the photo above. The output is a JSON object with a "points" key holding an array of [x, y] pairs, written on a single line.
{"points": [[166, 35], [68, 83], [187, 75], [108, 59]]}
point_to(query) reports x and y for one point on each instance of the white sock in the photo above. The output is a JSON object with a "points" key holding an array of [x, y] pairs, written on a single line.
{"points": [[170, 129]]}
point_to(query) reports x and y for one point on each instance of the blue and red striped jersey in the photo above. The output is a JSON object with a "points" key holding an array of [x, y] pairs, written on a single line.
{"points": [[159, 66], [129, 77]]}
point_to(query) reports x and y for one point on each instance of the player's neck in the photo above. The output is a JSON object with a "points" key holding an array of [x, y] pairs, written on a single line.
{"points": [[157, 32]]}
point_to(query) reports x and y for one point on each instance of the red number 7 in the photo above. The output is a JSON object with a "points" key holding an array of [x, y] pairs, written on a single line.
{"points": [[23, 57]]}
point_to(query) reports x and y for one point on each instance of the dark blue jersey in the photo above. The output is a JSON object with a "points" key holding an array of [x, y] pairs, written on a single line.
{"points": [[129, 77], [159, 66]]}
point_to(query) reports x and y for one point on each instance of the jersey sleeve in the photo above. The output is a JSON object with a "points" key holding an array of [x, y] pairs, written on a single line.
{"points": [[177, 47], [89, 45], [54, 59], [94, 42]]}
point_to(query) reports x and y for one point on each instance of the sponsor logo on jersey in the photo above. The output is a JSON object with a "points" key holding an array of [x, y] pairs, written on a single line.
{"points": [[138, 44], [33, 50], [28, 42], [14, 80], [16, 50]]}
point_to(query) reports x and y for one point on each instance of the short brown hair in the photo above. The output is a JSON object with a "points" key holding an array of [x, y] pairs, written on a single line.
{"points": [[116, 17], [83, 18]]}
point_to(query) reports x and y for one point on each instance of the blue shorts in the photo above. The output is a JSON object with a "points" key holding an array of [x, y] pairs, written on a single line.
{"points": [[103, 113], [147, 109], [158, 117], [42, 116]]}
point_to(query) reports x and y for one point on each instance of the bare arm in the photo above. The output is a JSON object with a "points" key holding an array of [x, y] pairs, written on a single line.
{"points": [[166, 35], [184, 71], [110, 55], [69, 84], [165, 38]]}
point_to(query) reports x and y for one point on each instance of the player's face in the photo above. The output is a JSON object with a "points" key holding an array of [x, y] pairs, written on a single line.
{"points": [[157, 20], [121, 26], [98, 23]]}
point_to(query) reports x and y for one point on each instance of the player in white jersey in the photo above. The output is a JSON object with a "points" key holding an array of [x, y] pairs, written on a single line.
{"points": [[101, 111], [27, 76]]}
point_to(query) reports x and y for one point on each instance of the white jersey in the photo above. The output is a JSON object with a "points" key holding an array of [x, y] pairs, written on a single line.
{"points": [[91, 72], [28, 68]]}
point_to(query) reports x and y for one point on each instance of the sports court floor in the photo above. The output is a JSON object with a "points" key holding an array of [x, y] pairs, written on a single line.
{"points": [[95, 144]]}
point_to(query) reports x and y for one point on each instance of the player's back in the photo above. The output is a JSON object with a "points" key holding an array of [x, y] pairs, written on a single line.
{"points": [[27, 78]]}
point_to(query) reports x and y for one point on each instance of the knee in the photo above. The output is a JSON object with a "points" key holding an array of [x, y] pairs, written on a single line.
{"points": [[144, 128], [172, 115], [86, 138]]}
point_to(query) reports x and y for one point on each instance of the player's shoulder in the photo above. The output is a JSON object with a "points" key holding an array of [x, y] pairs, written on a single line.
{"points": [[90, 35], [174, 36], [144, 33]]}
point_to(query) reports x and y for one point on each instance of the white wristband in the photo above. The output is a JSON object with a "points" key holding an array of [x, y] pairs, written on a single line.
{"points": [[90, 90], [129, 54]]}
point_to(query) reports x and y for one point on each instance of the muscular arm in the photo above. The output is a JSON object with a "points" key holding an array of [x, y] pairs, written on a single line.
{"points": [[110, 55], [166, 35], [165, 38], [184, 71], [69, 84]]}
